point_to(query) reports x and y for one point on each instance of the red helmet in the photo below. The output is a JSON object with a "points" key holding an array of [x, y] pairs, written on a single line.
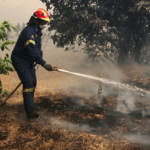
{"points": [[42, 14]]}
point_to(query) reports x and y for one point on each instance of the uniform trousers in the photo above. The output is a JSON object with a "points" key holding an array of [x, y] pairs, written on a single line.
{"points": [[27, 75]]}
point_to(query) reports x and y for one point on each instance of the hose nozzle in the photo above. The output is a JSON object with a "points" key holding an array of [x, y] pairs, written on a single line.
{"points": [[56, 68]]}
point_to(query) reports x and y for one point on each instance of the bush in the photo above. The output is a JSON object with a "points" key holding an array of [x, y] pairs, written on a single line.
{"points": [[6, 63]]}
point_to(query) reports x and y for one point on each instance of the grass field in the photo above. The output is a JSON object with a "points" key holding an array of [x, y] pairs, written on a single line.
{"points": [[71, 119]]}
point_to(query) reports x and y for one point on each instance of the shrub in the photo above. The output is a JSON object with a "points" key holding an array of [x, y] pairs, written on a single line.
{"points": [[6, 63]]}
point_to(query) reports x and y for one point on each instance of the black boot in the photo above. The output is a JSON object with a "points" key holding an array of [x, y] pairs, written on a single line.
{"points": [[32, 114]]}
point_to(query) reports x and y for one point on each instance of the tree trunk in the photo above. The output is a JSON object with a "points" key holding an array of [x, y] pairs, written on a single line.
{"points": [[124, 53], [138, 46], [136, 54]]}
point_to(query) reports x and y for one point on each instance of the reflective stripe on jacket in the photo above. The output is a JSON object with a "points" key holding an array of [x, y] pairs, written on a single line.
{"points": [[27, 48]]}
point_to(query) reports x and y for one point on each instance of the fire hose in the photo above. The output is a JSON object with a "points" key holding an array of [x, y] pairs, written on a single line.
{"points": [[3, 103], [126, 87]]}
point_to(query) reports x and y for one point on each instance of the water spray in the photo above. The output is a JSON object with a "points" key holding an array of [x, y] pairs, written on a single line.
{"points": [[126, 87]]}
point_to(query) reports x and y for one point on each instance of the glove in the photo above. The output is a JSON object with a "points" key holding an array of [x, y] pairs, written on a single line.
{"points": [[48, 67], [41, 53]]}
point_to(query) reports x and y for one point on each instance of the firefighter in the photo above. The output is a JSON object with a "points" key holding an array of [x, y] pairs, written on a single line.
{"points": [[27, 51]]}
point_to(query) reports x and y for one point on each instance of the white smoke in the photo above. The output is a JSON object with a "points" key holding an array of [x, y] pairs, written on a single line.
{"points": [[126, 102]]}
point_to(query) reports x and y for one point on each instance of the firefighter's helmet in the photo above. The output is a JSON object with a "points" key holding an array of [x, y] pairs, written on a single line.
{"points": [[42, 14]]}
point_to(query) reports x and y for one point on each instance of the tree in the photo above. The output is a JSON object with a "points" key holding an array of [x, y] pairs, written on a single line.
{"points": [[126, 25], [5, 64]]}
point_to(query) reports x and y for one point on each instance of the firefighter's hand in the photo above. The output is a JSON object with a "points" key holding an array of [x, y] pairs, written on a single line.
{"points": [[48, 67]]}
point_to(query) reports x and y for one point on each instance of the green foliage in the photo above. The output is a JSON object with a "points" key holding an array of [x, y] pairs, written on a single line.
{"points": [[3, 35], [2, 93], [6, 63], [126, 24]]}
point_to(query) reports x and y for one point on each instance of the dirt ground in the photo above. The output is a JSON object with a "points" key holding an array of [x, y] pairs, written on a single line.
{"points": [[72, 121]]}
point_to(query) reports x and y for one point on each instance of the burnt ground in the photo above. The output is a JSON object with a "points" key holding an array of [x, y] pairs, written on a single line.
{"points": [[73, 121]]}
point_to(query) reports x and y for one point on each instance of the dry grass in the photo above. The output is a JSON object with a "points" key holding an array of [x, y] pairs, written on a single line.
{"points": [[65, 124]]}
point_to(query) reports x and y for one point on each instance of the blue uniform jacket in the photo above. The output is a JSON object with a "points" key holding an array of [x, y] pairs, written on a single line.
{"points": [[28, 46]]}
